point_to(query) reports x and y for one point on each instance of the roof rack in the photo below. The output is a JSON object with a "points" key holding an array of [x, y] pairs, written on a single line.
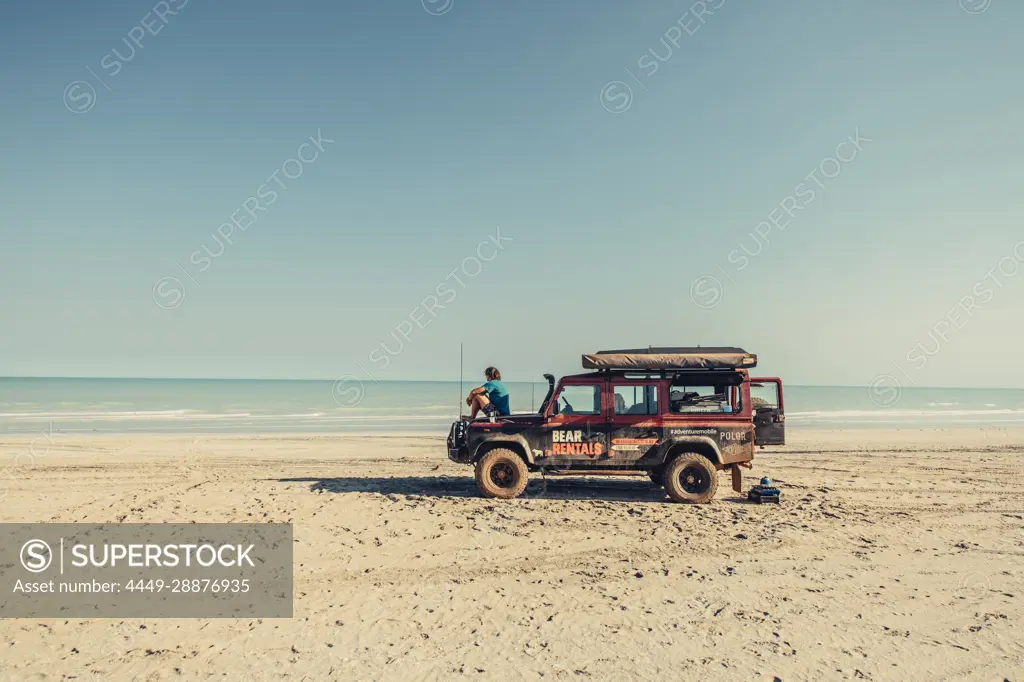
{"points": [[679, 358]]}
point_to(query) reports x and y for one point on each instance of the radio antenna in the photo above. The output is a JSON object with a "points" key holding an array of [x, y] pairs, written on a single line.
{"points": [[460, 380]]}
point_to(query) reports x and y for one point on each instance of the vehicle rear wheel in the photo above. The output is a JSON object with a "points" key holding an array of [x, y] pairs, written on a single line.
{"points": [[501, 473], [691, 478]]}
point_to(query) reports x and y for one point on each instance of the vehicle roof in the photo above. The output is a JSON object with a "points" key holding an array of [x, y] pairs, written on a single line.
{"points": [[670, 358], [696, 350], [647, 374]]}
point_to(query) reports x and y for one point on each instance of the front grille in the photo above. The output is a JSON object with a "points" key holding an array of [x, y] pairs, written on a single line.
{"points": [[457, 435]]}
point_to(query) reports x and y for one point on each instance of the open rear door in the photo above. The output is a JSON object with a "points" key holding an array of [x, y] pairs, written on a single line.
{"points": [[769, 411]]}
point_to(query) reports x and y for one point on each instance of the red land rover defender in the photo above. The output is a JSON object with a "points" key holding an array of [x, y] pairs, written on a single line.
{"points": [[679, 414]]}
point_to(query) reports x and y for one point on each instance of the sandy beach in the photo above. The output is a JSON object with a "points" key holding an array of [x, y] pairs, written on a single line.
{"points": [[894, 555]]}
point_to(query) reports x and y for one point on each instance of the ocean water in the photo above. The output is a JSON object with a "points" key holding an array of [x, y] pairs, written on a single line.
{"points": [[120, 406]]}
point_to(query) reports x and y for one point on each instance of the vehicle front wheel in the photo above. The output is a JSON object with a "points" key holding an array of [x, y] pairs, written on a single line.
{"points": [[501, 473], [691, 478]]}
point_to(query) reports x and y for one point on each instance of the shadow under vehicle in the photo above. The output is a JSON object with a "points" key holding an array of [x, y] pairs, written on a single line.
{"points": [[680, 415]]}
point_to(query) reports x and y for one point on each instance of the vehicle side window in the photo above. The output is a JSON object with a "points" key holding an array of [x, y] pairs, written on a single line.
{"points": [[636, 399], [579, 400], [700, 399]]}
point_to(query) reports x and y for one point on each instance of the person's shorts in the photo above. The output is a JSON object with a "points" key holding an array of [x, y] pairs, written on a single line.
{"points": [[490, 410]]}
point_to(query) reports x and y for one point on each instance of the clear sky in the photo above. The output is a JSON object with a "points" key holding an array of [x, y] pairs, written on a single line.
{"points": [[123, 152]]}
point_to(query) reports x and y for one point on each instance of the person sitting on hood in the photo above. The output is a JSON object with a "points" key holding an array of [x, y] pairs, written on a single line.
{"points": [[491, 398]]}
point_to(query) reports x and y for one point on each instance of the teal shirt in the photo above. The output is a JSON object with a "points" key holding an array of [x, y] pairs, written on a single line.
{"points": [[498, 394]]}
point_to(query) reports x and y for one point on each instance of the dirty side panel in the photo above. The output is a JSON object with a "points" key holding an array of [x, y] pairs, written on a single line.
{"points": [[638, 445], [735, 441], [579, 445]]}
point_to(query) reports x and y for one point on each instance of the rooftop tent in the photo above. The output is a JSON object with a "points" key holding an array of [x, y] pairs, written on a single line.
{"points": [[671, 358]]}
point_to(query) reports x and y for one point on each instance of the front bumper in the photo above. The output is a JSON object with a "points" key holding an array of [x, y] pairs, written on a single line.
{"points": [[457, 450]]}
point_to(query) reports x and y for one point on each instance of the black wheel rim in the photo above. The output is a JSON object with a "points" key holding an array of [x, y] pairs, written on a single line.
{"points": [[694, 479], [503, 475]]}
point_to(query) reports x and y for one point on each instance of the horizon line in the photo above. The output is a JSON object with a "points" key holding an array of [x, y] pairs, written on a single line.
{"points": [[433, 381]]}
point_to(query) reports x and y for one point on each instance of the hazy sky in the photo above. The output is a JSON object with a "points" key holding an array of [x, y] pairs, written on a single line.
{"points": [[627, 151]]}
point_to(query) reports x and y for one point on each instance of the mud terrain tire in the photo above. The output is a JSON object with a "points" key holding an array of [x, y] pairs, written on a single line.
{"points": [[501, 473], [691, 478]]}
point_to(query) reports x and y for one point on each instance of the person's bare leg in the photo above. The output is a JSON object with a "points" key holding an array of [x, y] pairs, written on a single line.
{"points": [[478, 404]]}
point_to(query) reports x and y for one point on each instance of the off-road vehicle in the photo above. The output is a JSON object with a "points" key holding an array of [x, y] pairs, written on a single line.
{"points": [[680, 415]]}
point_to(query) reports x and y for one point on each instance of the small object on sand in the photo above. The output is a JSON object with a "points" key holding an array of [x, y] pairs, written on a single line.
{"points": [[764, 493]]}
